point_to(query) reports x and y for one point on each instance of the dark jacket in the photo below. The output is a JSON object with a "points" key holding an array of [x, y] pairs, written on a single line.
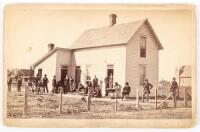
{"points": [[45, 81], [127, 89], [174, 86], [148, 87]]}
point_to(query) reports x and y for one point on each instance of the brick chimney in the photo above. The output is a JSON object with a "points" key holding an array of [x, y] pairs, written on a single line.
{"points": [[113, 18], [50, 47]]}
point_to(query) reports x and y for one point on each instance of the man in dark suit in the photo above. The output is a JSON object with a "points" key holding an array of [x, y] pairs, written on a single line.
{"points": [[173, 89], [45, 83], [126, 90], [19, 84], [9, 82], [95, 82], [147, 87]]}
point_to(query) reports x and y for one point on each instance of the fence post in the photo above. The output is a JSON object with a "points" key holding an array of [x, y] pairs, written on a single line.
{"points": [[88, 100], [60, 105], [137, 98], [115, 99], [156, 93], [185, 97], [25, 100]]}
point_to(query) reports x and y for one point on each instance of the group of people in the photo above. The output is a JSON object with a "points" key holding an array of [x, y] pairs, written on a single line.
{"points": [[93, 86], [39, 84], [10, 81]]}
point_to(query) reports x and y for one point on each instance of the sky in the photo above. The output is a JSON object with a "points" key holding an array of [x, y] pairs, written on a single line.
{"points": [[37, 26]]}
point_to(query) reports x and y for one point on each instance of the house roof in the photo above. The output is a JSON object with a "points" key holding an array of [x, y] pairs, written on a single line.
{"points": [[47, 55], [186, 71], [111, 35]]}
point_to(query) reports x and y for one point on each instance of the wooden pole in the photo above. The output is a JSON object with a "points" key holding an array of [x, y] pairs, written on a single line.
{"points": [[115, 99], [89, 99], [156, 98], [25, 100], [60, 105], [137, 98]]}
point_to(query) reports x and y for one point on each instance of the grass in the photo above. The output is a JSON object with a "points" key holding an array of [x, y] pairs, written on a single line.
{"points": [[75, 107]]}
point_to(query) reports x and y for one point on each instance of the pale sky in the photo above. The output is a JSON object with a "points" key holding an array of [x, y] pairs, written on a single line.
{"points": [[38, 26]]}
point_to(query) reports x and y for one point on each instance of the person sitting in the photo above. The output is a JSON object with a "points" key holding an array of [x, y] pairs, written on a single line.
{"points": [[126, 90], [74, 87], [97, 92], [80, 86]]}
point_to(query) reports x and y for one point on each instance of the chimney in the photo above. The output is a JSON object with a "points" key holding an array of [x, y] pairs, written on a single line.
{"points": [[50, 47], [112, 19]]}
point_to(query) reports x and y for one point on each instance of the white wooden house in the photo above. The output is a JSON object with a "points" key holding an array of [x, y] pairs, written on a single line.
{"points": [[129, 51]]}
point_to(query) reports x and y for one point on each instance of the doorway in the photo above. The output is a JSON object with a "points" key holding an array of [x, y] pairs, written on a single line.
{"points": [[78, 74], [110, 70], [64, 72], [110, 76]]}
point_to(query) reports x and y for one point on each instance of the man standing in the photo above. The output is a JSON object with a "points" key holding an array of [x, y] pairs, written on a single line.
{"points": [[126, 90], [9, 82], [173, 89], [147, 87], [66, 85], [95, 82], [37, 79], [71, 84], [45, 82], [19, 84], [111, 81]]}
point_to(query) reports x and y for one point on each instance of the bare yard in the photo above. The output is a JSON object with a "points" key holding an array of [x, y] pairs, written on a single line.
{"points": [[75, 107]]}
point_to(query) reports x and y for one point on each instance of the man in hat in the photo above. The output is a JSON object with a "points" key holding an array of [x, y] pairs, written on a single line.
{"points": [[147, 87], [36, 81], [95, 82], [66, 85], [45, 82], [126, 90], [9, 82], [173, 89], [19, 84]]}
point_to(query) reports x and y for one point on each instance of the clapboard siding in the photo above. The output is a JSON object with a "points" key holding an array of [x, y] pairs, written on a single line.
{"points": [[48, 67], [133, 60], [63, 58]]}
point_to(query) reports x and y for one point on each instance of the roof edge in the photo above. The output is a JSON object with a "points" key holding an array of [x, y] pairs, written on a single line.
{"points": [[47, 55]]}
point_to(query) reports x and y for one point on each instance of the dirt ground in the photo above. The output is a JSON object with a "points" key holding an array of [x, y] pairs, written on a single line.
{"points": [[75, 107]]}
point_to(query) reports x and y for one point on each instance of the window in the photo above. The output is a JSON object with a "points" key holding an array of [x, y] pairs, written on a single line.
{"points": [[142, 72], [143, 46], [40, 72]]}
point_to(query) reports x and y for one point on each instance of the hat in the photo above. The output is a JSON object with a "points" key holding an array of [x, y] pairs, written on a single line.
{"points": [[45, 74], [126, 83], [146, 80]]}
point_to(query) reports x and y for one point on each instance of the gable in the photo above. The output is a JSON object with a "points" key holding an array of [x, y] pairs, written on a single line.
{"points": [[146, 31]]}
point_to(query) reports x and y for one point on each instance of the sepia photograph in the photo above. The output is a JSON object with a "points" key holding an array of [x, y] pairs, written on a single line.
{"points": [[99, 65]]}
